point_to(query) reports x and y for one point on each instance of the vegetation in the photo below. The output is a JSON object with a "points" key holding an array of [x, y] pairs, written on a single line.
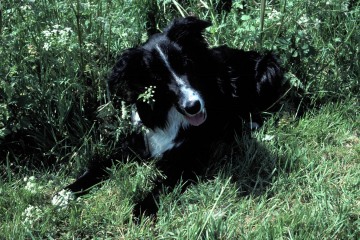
{"points": [[296, 178]]}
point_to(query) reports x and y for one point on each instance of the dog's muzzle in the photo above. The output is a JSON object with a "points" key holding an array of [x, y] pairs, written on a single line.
{"points": [[191, 105], [194, 112]]}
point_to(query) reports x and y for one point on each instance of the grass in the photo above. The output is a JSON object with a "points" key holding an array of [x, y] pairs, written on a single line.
{"points": [[296, 178]]}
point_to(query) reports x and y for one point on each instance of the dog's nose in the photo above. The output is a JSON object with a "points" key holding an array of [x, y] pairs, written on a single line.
{"points": [[192, 107]]}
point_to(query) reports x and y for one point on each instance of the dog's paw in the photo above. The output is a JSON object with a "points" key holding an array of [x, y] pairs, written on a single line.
{"points": [[62, 198]]}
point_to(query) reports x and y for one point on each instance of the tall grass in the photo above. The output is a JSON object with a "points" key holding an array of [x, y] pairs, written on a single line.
{"points": [[296, 178]]}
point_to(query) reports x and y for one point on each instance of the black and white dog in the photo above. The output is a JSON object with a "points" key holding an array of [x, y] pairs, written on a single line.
{"points": [[198, 97]]}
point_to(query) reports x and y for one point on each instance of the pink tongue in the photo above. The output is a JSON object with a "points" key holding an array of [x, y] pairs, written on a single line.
{"points": [[197, 119]]}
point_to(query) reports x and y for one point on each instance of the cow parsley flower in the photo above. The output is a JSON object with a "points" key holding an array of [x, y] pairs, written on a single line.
{"points": [[62, 198], [31, 215], [31, 185]]}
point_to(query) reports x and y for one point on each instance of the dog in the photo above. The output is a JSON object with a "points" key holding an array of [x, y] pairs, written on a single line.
{"points": [[197, 97]]}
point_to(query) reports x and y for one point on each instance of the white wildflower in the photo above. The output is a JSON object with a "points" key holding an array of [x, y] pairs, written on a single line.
{"points": [[317, 23], [31, 185], [303, 20], [46, 46], [268, 137], [25, 7], [62, 198], [274, 15], [124, 111], [68, 29], [46, 33], [31, 214]]}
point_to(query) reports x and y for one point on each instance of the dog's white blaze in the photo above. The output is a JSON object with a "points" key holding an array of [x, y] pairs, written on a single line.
{"points": [[166, 61], [160, 140], [189, 93]]}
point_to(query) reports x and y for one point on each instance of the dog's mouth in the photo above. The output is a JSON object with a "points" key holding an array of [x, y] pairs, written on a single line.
{"points": [[196, 119]]}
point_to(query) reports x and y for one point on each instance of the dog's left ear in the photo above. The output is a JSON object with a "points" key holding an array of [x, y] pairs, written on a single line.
{"points": [[269, 77], [187, 30]]}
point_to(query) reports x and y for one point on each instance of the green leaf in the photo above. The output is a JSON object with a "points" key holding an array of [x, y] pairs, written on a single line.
{"points": [[245, 17]]}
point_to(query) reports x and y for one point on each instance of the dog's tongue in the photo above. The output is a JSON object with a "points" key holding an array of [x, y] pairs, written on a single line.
{"points": [[197, 119]]}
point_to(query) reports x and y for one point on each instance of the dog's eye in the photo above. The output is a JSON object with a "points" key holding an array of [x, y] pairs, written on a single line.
{"points": [[188, 61]]}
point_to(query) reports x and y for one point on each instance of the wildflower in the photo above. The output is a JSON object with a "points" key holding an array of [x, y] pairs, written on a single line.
{"points": [[124, 111], [46, 46], [25, 7], [31, 214], [303, 20], [274, 15], [317, 23], [31, 185], [32, 50], [68, 30], [46, 33], [62, 198], [268, 138], [148, 95]]}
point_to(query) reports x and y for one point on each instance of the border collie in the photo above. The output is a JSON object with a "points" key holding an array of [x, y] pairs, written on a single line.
{"points": [[198, 98]]}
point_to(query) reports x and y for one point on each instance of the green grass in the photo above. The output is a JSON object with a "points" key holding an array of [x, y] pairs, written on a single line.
{"points": [[296, 178]]}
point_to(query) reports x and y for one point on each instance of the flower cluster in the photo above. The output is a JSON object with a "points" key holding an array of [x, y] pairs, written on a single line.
{"points": [[148, 95], [57, 35], [344, 5], [31, 185], [274, 15], [31, 215], [305, 22], [62, 198]]}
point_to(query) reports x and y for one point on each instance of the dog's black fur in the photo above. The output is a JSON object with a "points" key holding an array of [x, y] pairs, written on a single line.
{"points": [[201, 96]]}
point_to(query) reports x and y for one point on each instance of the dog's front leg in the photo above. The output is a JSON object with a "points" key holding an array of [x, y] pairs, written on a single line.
{"points": [[91, 177]]}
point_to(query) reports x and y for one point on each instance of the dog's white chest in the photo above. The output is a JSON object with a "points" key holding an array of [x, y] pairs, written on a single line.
{"points": [[161, 140]]}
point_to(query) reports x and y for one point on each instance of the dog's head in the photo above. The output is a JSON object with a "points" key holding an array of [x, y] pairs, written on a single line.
{"points": [[163, 74]]}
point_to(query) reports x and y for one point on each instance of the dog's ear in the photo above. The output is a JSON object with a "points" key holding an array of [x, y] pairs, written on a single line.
{"points": [[126, 75], [269, 80], [187, 30]]}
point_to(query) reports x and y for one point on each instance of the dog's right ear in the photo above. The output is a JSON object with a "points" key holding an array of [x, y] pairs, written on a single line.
{"points": [[187, 30], [128, 70]]}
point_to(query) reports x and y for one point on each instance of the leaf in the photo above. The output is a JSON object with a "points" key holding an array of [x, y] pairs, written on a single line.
{"points": [[245, 17], [295, 54]]}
